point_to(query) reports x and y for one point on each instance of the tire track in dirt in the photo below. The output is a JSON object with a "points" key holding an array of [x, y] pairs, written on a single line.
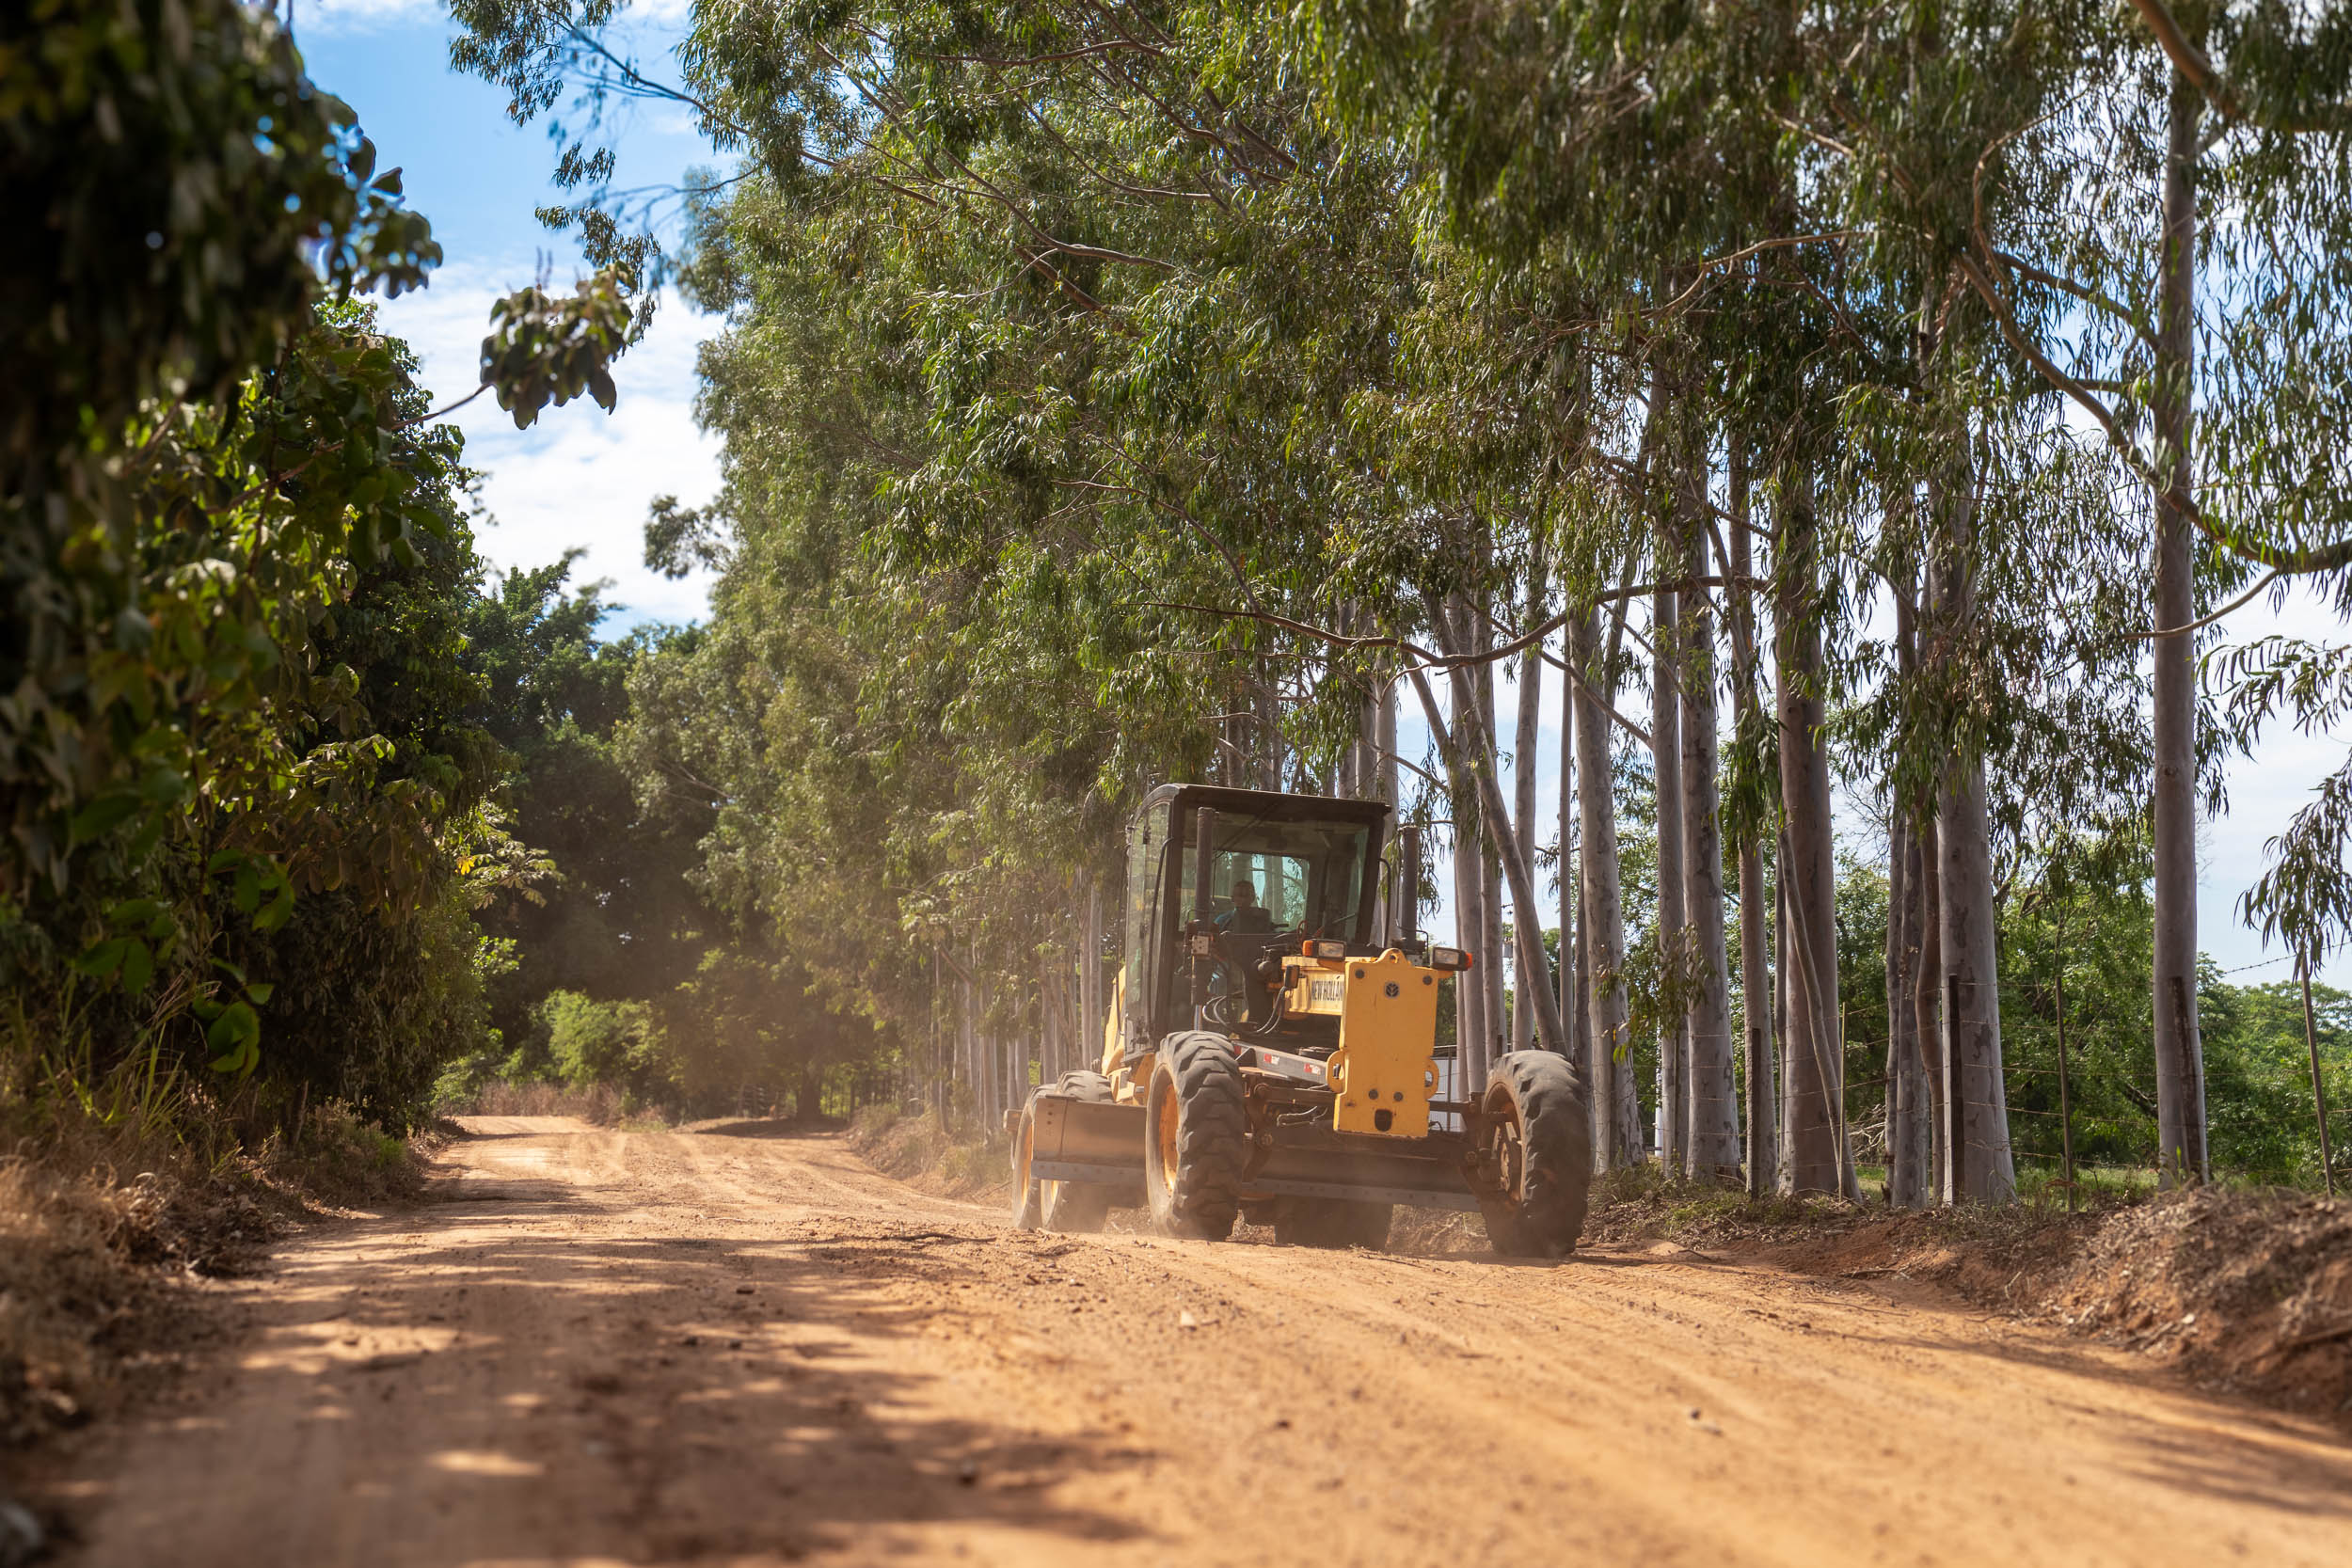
{"points": [[725, 1346]]}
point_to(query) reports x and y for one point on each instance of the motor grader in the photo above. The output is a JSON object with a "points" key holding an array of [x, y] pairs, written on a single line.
{"points": [[1271, 1055]]}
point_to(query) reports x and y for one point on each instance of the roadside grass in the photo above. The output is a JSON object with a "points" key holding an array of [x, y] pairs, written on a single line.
{"points": [[920, 1152], [118, 1184], [599, 1103]]}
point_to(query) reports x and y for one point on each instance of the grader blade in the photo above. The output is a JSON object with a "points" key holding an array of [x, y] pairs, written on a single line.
{"points": [[1082, 1140]]}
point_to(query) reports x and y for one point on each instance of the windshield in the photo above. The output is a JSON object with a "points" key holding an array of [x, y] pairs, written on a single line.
{"points": [[1300, 876]]}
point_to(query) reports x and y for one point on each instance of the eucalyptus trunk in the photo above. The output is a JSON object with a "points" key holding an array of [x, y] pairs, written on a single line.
{"points": [[1927, 997], [1979, 1163], [1532, 969], [1470, 996], [1495, 825], [1666, 763], [1711, 1110], [1910, 1095], [1599, 895], [1090, 968], [1571, 970], [1755, 983], [1818, 1160], [1907, 1105], [1784, 1166], [1470, 992], [2180, 1055]]}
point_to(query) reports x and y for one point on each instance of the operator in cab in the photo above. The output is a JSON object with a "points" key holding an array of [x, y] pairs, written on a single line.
{"points": [[1248, 917]]}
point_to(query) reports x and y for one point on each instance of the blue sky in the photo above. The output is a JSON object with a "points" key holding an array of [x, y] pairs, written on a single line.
{"points": [[582, 479]]}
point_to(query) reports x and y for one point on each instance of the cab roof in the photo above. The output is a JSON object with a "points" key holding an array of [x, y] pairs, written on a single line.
{"points": [[1273, 805]]}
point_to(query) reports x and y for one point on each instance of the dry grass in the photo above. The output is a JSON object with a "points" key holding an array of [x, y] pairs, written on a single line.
{"points": [[2247, 1292], [599, 1103], [922, 1153], [117, 1188]]}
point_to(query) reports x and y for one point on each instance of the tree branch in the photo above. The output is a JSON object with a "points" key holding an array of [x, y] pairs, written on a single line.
{"points": [[2200, 73]]}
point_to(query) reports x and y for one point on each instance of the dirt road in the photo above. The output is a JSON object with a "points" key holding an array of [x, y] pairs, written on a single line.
{"points": [[740, 1348]]}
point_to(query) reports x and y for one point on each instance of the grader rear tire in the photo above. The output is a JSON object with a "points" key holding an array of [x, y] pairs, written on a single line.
{"points": [[1195, 1137], [1074, 1208], [1537, 1161], [1331, 1222]]}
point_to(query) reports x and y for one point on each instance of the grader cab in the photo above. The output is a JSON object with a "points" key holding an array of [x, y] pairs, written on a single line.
{"points": [[1272, 1054]]}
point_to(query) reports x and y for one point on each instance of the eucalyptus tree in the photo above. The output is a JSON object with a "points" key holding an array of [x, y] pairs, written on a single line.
{"points": [[1624, 161], [2096, 170]]}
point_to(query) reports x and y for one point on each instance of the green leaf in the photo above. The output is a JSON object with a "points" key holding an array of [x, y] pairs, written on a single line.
{"points": [[103, 959], [260, 991], [278, 910], [237, 1026], [101, 817]]}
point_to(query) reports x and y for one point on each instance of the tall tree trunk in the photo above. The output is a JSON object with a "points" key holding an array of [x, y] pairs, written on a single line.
{"points": [[1571, 970], [1090, 965], [1756, 984], [1906, 1085], [1666, 762], [1050, 1031], [1711, 1134], [1817, 1140], [1469, 882], [1381, 779], [1385, 738], [1927, 999], [1972, 994], [1533, 970], [1469, 925], [2180, 1054], [1494, 823], [1911, 878], [1785, 1166], [1494, 1002], [967, 1048], [1978, 1101], [1600, 895]]}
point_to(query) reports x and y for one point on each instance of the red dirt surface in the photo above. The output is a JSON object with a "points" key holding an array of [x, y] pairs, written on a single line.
{"points": [[739, 1346]]}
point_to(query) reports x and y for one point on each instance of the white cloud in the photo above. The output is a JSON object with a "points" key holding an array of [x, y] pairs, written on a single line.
{"points": [[361, 16], [356, 16], [579, 477]]}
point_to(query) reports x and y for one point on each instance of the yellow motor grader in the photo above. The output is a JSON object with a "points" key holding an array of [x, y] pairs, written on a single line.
{"points": [[1270, 1055]]}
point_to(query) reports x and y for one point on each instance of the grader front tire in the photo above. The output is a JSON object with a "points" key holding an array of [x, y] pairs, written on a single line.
{"points": [[1195, 1137], [1535, 1174]]}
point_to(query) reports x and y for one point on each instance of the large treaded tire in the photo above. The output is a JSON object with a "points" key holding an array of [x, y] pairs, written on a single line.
{"points": [[1331, 1222], [1028, 1192], [1536, 1116], [1075, 1208], [1195, 1137]]}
